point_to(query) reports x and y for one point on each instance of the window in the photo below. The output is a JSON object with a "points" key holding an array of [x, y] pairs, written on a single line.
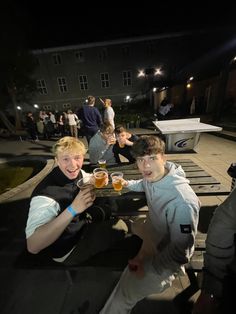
{"points": [[79, 56], [104, 80], [66, 106], [126, 51], [47, 107], [83, 82], [151, 47], [103, 54], [62, 84], [127, 78], [56, 59], [41, 86], [37, 63]]}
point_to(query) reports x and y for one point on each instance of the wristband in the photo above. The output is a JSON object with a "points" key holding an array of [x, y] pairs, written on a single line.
{"points": [[72, 211]]}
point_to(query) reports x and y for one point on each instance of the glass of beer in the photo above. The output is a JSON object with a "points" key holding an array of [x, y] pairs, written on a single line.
{"points": [[85, 182], [102, 163], [100, 175], [116, 178]]}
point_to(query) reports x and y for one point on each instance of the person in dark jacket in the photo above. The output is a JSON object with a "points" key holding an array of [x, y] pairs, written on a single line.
{"points": [[91, 118], [31, 126], [125, 141]]}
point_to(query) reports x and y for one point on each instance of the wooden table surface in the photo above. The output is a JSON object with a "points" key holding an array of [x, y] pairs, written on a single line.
{"points": [[201, 182]]}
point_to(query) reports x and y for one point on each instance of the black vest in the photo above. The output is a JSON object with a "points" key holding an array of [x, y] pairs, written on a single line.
{"points": [[63, 190]]}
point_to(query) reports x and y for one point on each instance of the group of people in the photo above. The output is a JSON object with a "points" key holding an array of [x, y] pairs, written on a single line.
{"points": [[71, 225], [87, 120]]}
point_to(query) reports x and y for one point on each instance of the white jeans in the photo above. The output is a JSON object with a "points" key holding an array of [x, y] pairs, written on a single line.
{"points": [[131, 289]]}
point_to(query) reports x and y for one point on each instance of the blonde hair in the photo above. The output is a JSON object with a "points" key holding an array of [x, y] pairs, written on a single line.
{"points": [[108, 102], [69, 143]]}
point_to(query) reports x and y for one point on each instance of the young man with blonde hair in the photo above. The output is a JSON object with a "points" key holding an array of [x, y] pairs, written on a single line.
{"points": [[109, 114], [57, 222]]}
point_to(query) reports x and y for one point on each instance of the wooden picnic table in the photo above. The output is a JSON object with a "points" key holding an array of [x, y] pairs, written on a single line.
{"points": [[201, 182]]}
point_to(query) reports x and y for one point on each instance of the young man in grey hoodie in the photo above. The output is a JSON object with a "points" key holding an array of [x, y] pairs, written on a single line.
{"points": [[168, 233]]}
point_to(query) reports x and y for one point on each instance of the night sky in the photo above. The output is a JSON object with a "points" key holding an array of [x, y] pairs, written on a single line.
{"points": [[52, 23]]}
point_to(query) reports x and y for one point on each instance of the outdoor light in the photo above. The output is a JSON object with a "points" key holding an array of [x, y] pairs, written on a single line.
{"points": [[127, 97], [18, 108], [188, 85], [154, 89], [157, 71], [36, 106], [141, 73], [191, 78]]}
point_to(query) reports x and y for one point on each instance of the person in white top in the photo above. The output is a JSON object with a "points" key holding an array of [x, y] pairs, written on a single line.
{"points": [[109, 114], [72, 121], [66, 222]]}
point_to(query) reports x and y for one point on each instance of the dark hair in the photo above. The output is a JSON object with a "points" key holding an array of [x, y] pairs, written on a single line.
{"points": [[148, 145], [107, 128], [119, 129]]}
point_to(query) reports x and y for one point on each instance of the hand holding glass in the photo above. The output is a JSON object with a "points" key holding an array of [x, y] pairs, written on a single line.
{"points": [[116, 178], [101, 177], [85, 182], [111, 140]]}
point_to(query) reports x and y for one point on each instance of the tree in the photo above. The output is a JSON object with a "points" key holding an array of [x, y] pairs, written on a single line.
{"points": [[17, 64]]}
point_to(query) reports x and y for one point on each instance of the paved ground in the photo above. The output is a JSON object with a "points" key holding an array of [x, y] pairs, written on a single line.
{"points": [[49, 292]]}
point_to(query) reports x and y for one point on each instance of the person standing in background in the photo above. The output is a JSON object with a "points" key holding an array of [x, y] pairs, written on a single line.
{"points": [[72, 120], [91, 118], [31, 126], [164, 109], [109, 113]]}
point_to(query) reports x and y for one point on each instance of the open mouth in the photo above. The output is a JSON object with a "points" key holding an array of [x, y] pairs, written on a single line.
{"points": [[73, 172], [147, 174]]}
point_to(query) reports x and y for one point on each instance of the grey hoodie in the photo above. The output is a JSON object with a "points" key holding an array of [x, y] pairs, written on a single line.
{"points": [[173, 211]]}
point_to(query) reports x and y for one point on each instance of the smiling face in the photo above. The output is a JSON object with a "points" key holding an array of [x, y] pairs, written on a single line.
{"points": [[152, 167], [70, 163], [69, 154]]}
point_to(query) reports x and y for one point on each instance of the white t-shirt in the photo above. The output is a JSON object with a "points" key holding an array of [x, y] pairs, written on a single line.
{"points": [[72, 117]]}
